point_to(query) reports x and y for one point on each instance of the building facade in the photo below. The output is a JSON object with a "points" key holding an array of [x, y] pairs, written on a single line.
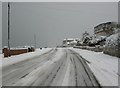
{"points": [[105, 29], [70, 42]]}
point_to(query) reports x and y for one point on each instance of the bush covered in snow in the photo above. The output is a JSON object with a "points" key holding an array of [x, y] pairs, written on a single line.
{"points": [[0, 51], [112, 44], [97, 40], [112, 41]]}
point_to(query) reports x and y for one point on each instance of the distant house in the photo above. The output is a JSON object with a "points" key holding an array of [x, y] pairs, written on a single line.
{"points": [[102, 31], [70, 42], [105, 29]]}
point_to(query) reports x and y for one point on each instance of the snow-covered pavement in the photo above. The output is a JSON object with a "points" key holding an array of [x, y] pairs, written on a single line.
{"points": [[1, 55], [104, 67], [18, 58], [60, 67]]}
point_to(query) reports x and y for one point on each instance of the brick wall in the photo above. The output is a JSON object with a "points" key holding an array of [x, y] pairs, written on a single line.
{"points": [[19, 51], [16, 51]]}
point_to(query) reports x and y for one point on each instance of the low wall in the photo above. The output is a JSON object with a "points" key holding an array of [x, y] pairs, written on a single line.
{"points": [[16, 51], [19, 51]]}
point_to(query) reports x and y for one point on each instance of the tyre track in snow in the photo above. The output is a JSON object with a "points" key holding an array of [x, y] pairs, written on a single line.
{"points": [[83, 73], [19, 70], [70, 70], [55, 72]]}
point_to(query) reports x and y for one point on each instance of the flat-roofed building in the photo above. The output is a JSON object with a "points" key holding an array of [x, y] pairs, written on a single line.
{"points": [[105, 29], [70, 41]]}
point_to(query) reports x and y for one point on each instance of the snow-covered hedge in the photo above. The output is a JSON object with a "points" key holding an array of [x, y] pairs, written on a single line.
{"points": [[0, 51], [112, 45], [95, 39], [112, 41]]}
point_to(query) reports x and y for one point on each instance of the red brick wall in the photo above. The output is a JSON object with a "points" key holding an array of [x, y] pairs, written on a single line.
{"points": [[17, 52], [6, 52], [14, 52]]}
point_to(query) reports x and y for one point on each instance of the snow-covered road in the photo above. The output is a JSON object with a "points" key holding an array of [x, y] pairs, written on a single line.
{"points": [[57, 67]]}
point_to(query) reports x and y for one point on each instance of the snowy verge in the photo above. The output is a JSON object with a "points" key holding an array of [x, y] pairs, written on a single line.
{"points": [[103, 66], [18, 58], [1, 55]]}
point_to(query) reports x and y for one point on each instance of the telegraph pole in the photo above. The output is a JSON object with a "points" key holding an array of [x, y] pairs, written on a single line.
{"points": [[9, 27], [35, 41]]}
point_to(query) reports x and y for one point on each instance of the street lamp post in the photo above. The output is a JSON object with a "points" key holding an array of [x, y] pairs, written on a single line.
{"points": [[9, 27], [35, 41]]}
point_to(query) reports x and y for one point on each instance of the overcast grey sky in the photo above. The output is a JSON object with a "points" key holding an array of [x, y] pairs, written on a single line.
{"points": [[52, 22], [0, 25]]}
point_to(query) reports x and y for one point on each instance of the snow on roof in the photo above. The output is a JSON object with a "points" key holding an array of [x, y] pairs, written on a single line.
{"points": [[5, 47], [71, 39], [68, 39], [17, 48], [105, 24]]}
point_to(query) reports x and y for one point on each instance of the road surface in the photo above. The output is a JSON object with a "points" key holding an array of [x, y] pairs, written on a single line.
{"points": [[50, 69]]}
